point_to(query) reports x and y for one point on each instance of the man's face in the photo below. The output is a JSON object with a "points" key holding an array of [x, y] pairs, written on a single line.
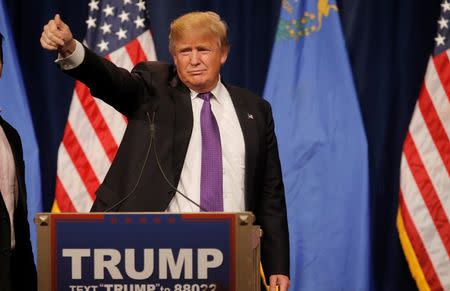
{"points": [[198, 60]]}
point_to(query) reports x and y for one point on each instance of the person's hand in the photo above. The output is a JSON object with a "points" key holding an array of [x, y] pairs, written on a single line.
{"points": [[57, 36], [280, 281]]}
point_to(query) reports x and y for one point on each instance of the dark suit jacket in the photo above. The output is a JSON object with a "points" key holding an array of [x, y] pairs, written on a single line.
{"points": [[17, 269], [153, 88]]}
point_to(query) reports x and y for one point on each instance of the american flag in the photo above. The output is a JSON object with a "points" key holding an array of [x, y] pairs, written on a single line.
{"points": [[424, 203], [117, 30]]}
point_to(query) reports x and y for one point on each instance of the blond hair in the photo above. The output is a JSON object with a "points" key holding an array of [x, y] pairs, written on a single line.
{"points": [[203, 23]]}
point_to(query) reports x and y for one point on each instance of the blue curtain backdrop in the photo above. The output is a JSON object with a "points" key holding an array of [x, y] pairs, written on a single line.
{"points": [[388, 44]]}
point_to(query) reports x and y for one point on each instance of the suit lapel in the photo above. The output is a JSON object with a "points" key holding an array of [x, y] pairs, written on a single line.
{"points": [[18, 163], [183, 124], [249, 130]]}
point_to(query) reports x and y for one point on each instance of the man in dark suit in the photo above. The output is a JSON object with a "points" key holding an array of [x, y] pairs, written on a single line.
{"points": [[192, 142], [17, 269]]}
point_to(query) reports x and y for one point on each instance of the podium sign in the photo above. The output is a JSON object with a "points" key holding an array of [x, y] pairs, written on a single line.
{"points": [[148, 252]]}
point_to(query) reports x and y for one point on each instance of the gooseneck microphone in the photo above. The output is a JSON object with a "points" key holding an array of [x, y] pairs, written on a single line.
{"points": [[152, 128], [147, 154]]}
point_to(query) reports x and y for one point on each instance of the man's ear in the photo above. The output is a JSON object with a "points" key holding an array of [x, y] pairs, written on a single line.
{"points": [[224, 56]]}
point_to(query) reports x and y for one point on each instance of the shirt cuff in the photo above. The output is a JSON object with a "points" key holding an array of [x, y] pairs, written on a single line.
{"points": [[74, 60]]}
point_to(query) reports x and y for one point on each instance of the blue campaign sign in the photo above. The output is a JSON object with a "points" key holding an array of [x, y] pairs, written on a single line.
{"points": [[143, 252]]}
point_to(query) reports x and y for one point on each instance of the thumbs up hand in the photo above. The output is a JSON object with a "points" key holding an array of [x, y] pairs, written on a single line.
{"points": [[56, 36]]}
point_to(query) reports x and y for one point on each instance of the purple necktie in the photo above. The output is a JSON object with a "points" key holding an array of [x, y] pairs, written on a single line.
{"points": [[211, 192]]}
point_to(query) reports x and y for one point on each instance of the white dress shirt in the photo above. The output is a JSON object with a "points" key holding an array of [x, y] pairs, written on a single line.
{"points": [[233, 156], [231, 139], [8, 181]]}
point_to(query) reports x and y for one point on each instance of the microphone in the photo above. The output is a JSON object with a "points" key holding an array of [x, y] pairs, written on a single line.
{"points": [[152, 128], [152, 134], [152, 131]]}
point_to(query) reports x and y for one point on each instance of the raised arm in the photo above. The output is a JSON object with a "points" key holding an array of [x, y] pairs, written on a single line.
{"points": [[121, 89]]}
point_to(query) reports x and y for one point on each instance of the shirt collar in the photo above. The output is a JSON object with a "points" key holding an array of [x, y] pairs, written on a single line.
{"points": [[216, 91]]}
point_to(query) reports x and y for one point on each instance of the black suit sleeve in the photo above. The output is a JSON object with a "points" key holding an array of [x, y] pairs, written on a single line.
{"points": [[272, 208], [119, 88]]}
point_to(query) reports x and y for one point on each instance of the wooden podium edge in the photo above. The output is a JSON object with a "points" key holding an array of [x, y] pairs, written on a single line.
{"points": [[247, 251]]}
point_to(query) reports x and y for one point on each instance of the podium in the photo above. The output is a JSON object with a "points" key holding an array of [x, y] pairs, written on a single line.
{"points": [[148, 252]]}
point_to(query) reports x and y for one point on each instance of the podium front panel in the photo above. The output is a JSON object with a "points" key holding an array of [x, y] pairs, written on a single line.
{"points": [[148, 251]]}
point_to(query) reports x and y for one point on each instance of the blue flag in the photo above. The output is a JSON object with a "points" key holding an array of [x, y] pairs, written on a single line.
{"points": [[14, 109], [323, 149]]}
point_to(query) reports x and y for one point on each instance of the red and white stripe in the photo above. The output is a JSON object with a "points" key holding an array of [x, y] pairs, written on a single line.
{"points": [[425, 177], [93, 134]]}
